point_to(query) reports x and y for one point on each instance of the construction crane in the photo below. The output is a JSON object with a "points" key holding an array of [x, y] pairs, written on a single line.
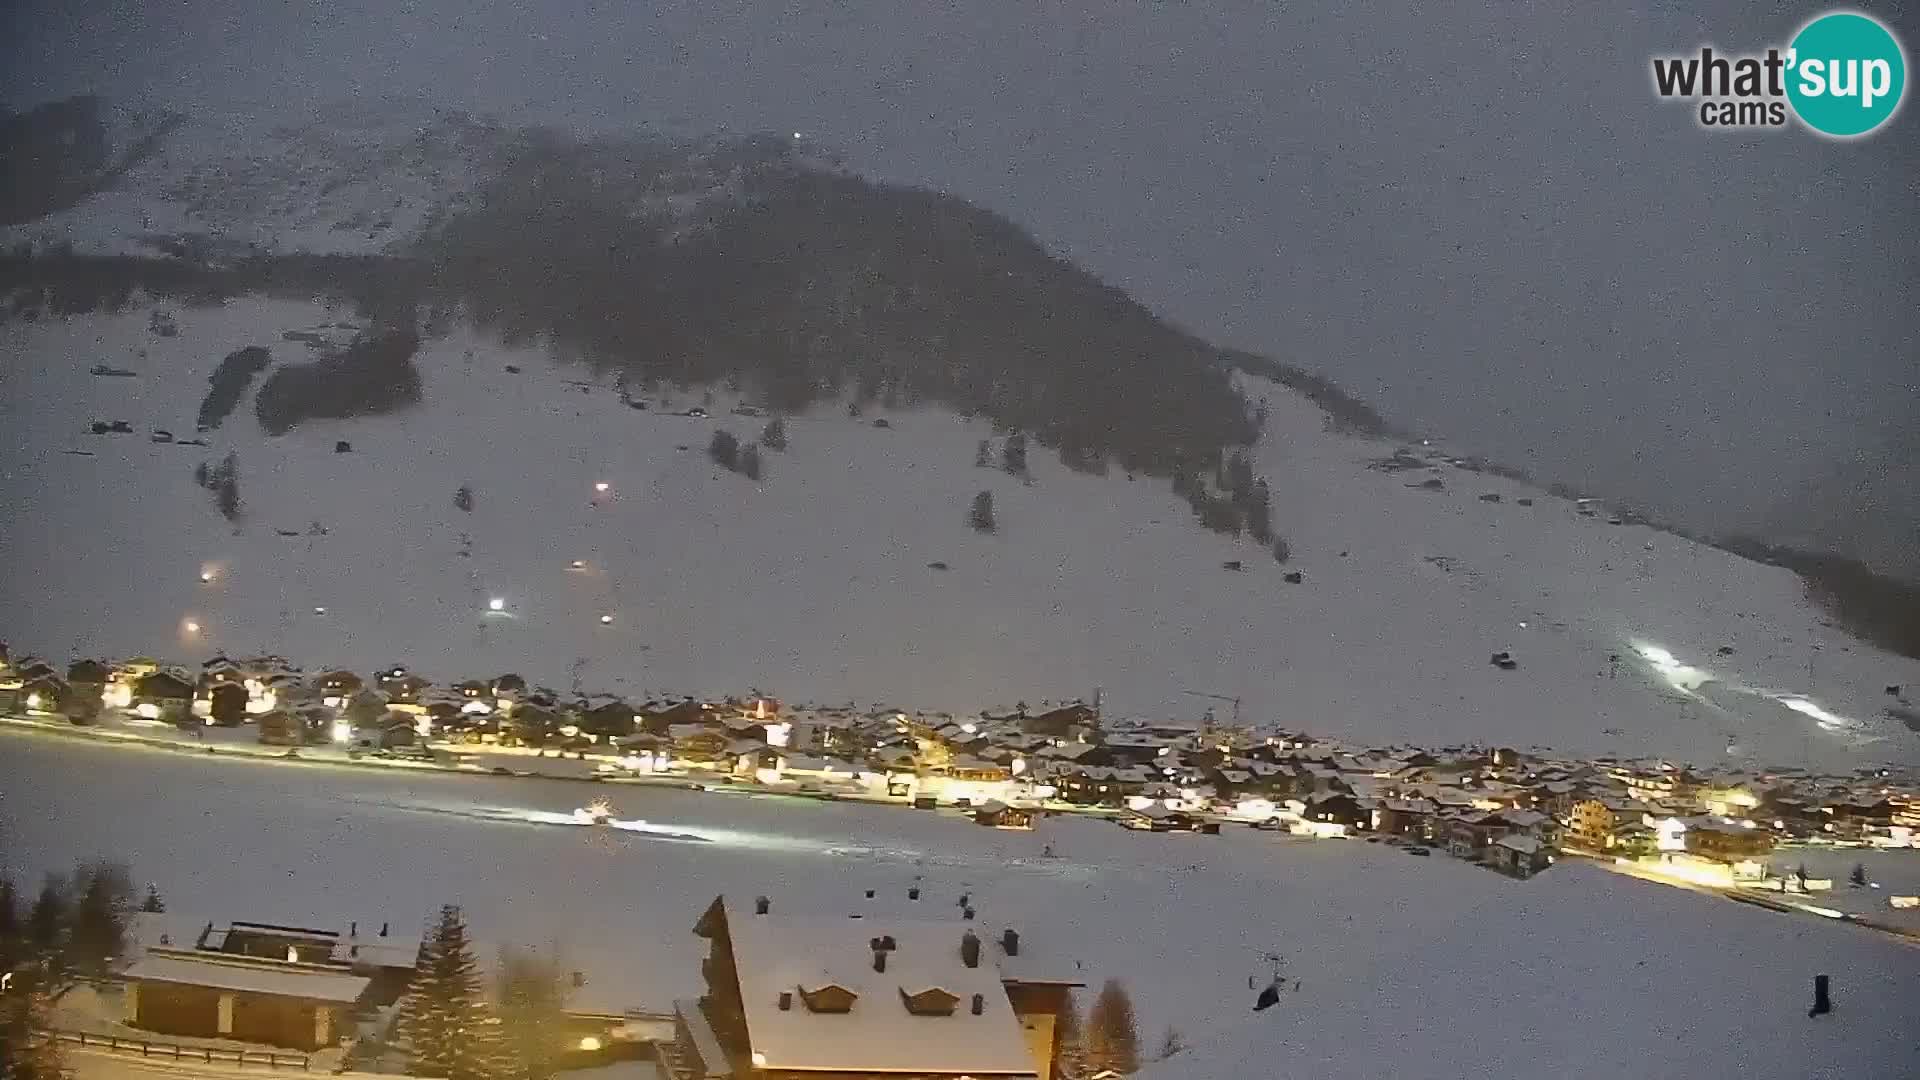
{"points": [[1219, 697]]}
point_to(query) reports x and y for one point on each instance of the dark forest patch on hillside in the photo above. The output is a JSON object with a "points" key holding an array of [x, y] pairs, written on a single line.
{"points": [[229, 384], [1868, 605], [1345, 413], [372, 376], [56, 154], [813, 284]]}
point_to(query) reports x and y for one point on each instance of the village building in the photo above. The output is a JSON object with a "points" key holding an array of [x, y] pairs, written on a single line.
{"points": [[998, 815], [285, 986], [163, 695], [864, 996], [1519, 854]]}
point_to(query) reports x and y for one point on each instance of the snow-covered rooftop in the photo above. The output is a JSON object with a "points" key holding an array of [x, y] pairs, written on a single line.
{"points": [[782, 954], [225, 973]]}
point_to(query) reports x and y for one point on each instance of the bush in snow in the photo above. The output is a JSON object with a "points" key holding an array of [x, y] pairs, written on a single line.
{"points": [[980, 516], [774, 435], [724, 450], [1014, 454]]}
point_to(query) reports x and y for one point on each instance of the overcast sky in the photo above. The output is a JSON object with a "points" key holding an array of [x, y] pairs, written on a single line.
{"points": [[1475, 216]]}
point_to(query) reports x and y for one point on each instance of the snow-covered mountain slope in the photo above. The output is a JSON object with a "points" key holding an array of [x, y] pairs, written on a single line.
{"points": [[818, 582], [360, 180]]}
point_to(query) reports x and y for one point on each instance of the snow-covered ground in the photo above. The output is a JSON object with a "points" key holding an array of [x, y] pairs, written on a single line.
{"points": [[1407, 967], [1889, 873], [1183, 919], [1585, 973], [816, 582]]}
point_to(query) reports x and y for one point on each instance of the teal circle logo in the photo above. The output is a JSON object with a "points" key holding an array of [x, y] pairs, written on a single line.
{"points": [[1845, 75]]}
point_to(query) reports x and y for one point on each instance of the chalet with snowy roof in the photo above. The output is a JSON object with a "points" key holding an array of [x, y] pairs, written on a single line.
{"points": [[699, 742], [605, 717], [862, 996], [995, 814], [1406, 817], [1336, 808], [163, 695], [1063, 722], [400, 685], [660, 718], [336, 687], [1095, 785], [287, 986], [1519, 855], [44, 693], [1718, 838]]}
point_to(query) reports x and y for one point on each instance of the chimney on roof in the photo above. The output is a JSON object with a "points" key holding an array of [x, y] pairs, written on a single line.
{"points": [[967, 914], [880, 960], [979, 1004], [383, 929], [869, 894], [761, 905], [1010, 942], [786, 1001], [970, 949], [913, 893]]}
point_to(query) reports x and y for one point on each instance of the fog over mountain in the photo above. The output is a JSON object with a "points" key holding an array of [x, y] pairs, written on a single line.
{"points": [[1481, 223]]}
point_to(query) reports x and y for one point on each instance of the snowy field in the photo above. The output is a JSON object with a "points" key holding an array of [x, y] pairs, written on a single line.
{"points": [[1588, 974], [1408, 967], [816, 582], [1889, 873]]}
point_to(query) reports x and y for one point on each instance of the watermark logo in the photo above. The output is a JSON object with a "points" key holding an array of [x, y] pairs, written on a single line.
{"points": [[1842, 76]]}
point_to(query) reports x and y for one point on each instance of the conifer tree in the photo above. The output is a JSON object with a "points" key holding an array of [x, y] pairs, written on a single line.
{"points": [[9, 912], [47, 918], [1113, 1038], [531, 992], [444, 1023], [27, 1052], [98, 933]]}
